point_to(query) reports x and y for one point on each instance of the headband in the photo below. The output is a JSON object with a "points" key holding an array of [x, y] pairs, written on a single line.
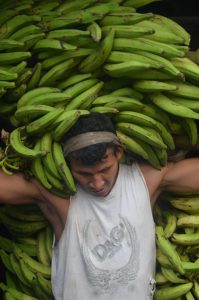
{"points": [[88, 139]]}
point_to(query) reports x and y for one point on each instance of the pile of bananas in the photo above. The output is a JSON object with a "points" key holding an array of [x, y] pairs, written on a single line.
{"points": [[63, 59], [60, 60], [25, 251], [177, 238]]}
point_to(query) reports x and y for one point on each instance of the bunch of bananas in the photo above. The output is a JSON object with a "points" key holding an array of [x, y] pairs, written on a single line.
{"points": [[63, 59], [59, 61], [26, 251], [177, 237]]}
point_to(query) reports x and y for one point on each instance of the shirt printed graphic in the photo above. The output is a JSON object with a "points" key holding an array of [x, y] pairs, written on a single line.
{"points": [[107, 280]]}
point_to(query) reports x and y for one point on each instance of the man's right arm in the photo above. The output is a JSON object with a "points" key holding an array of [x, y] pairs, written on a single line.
{"points": [[16, 189]]}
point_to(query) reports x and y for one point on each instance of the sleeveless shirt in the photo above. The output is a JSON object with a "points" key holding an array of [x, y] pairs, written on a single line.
{"points": [[107, 248]]}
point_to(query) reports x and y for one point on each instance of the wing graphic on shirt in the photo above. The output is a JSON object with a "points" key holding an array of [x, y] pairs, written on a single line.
{"points": [[107, 280]]}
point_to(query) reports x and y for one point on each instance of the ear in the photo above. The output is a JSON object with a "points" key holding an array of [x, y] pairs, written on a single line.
{"points": [[119, 152]]}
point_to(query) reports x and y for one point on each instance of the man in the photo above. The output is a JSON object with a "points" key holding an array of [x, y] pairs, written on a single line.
{"points": [[104, 234]]}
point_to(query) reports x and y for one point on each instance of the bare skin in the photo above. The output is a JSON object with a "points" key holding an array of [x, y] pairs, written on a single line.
{"points": [[98, 180]]}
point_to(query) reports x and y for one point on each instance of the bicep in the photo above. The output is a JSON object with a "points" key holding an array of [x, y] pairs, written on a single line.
{"points": [[16, 189], [182, 176]]}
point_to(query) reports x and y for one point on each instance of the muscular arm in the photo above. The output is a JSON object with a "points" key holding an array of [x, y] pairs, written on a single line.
{"points": [[182, 176], [16, 189]]}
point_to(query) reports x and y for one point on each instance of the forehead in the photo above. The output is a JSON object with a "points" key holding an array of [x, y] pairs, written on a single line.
{"points": [[108, 158]]}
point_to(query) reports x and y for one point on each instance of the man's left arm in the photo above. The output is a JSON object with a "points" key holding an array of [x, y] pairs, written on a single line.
{"points": [[181, 176]]}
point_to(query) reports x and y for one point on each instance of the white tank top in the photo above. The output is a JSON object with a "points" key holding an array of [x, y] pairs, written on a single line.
{"points": [[107, 249]]}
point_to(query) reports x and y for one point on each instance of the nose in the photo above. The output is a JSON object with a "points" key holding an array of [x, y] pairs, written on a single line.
{"points": [[96, 182]]}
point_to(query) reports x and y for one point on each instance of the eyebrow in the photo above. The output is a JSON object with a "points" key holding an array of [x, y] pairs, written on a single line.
{"points": [[89, 173]]}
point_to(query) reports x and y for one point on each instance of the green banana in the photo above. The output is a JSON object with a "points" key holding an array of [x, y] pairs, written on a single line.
{"points": [[6, 260], [38, 170], [144, 133], [24, 31], [19, 147], [61, 164], [41, 124], [73, 79], [130, 19], [126, 68], [57, 184], [175, 27], [89, 95], [56, 73], [51, 98], [20, 228], [6, 75], [35, 77], [168, 250], [185, 90], [19, 68], [165, 103], [185, 239], [13, 57], [41, 249], [45, 285], [189, 296], [16, 268], [128, 31], [18, 295], [97, 58], [152, 86], [187, 204], [171, 275], [27, 213], [187, 67], [7, 44], [191, 129], [7, 84], [104, 110], [65, 126], [125, 103], [28, 113], [170, 225], [49, 242], [46, 6], [119, 56], [166, 64], [95, 31], [39, 91], [71, 6], [190, 266], [31, 40], [128, 92], [173, 292], [27, 273], [16, 23], [50, 43], [34, 265], [66, 34], [132, 145], [160, 279], [161, 33], [80, 87], [46, 145], [53, 60], [193, 104], [144, 44], [188, 221]]}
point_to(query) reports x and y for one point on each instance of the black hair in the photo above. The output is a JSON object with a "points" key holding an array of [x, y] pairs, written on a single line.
{"points": [[86, 123]]}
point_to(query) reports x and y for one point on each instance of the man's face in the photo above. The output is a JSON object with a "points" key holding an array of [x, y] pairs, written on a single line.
{"points": [[98, 179]]}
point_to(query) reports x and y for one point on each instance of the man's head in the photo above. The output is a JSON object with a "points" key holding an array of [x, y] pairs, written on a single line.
{"points": [[95, 166]]}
